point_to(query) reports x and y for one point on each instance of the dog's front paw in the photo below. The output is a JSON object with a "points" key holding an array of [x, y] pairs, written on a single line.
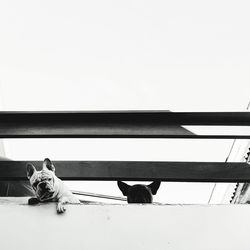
{"points": [[33, 201], [60, 208]]}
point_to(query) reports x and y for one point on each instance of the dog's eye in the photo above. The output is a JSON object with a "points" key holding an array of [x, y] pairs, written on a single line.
{"points": [[49, 179]]}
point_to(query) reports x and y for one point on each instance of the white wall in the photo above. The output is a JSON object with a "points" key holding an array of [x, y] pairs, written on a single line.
{"points": [[138, 227]]}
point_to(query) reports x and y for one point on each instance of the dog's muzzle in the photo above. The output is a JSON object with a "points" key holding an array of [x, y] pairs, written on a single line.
{"points": [[44, 191]]}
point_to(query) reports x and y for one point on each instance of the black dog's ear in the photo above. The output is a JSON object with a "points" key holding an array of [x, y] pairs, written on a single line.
{"points": [[48, 164], [154, 186], [30, 169], [123, 187]]}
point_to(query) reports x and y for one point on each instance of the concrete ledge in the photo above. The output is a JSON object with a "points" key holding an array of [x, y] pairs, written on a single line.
{"points": [[92, 227]]}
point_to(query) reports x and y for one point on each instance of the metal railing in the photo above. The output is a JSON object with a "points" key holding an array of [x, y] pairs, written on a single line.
{"points": [[125, 124]]}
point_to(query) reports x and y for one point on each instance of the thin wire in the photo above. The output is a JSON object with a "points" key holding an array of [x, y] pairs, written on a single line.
{"points": [[212, 193], [248, 105], [230, 151]]}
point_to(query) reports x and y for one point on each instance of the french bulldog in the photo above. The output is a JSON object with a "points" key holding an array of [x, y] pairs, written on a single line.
{"points": [[48, 187], [139, 193]]}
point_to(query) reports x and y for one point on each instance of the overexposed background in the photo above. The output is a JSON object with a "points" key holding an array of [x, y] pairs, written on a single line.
{"points": [[125, 55]]}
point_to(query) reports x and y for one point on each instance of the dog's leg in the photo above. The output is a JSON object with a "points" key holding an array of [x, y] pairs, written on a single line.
{"points": [[73, 200], [60, 208], [66, 199], [33, 201]]}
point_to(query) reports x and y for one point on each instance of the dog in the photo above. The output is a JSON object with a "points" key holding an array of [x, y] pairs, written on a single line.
{"points": [[48, 187], [139, 193]]}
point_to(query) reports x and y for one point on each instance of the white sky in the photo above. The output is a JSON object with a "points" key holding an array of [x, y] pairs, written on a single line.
{"points": [[125, 55]]}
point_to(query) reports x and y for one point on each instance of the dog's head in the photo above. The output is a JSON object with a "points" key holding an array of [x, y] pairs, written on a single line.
{"points": [[43, 182], [139, 193]]}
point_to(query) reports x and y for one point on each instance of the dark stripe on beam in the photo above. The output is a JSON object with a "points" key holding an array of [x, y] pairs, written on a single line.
{"points": [[136, 171], [116, 124]]}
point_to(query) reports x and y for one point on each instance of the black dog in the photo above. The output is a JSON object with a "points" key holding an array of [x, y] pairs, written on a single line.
{"points": [[139, 193]]}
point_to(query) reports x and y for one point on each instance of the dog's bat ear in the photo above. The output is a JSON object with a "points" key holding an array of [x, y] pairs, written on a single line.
{"points": [[154, 186], [30, 169], [123, 187], [48, 164]]}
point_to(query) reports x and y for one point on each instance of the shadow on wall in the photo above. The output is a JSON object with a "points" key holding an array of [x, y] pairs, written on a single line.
{"points": [[14, 188]]}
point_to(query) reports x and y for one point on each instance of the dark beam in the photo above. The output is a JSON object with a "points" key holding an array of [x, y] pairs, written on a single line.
{"points": [[136, 171], [116, 124]]}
